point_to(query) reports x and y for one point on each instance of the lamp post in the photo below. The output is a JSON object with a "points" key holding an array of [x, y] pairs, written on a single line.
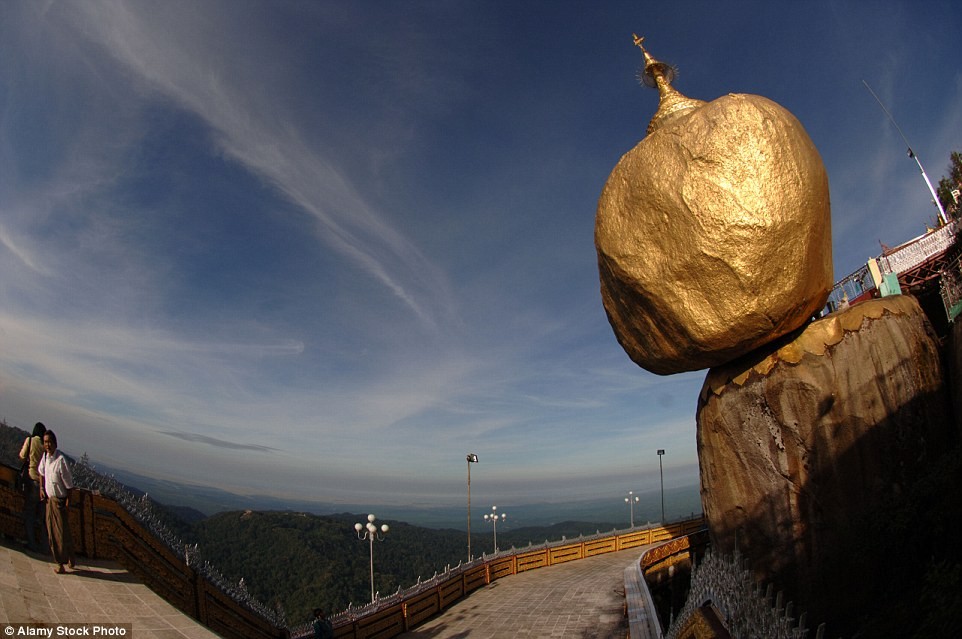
{"points": [[943, 218], [493, 518], [661, 452], [370, 533], [631, 500], [472, 459]]}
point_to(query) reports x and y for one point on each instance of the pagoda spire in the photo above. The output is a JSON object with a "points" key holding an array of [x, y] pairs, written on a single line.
{"points": [[660, 75]]}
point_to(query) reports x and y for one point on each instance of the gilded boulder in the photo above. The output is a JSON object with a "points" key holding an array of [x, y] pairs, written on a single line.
{"points": [[713, 233]]}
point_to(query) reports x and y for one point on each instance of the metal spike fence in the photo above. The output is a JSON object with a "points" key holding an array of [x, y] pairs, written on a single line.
{"points": [[950, 286], [142, 509], [747, 611]]}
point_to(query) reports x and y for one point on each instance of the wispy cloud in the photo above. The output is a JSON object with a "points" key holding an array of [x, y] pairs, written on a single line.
{"points": [[152, 374], [25, 256], [193, 74], [217, 443]]}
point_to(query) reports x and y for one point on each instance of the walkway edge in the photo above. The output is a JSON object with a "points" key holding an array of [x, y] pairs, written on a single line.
{"points": [[642, 619]]}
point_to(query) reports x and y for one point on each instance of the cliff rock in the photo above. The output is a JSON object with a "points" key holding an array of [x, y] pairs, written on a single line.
{"points": [[800, 440]]}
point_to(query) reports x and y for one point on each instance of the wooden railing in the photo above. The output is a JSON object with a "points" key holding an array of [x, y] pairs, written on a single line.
{"points": [[102, 529]]}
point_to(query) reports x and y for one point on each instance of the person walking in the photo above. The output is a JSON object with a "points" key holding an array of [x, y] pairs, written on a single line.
{"points": [[32, 453], [323, 629], [56, 484]]}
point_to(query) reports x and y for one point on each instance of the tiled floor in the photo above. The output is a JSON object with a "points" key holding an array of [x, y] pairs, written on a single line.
{"points": [[97, 592], [581, 599]]}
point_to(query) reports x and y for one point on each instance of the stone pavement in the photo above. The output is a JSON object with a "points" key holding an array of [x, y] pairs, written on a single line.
{"points": [[97, 592], [581, 599]]}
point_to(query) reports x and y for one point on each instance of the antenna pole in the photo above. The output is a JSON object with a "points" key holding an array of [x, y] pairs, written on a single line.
{"points": [[942, 216]]}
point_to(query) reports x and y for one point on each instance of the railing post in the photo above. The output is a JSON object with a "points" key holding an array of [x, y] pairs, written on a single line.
{"points": [[91, 542]]}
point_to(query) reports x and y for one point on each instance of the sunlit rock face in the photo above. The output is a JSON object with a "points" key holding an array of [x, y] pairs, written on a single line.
{"points": [[713, 233], [800, 442]]}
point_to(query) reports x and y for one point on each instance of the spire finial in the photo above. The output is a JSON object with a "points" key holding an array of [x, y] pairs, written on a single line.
{"points": [[657, 74]]}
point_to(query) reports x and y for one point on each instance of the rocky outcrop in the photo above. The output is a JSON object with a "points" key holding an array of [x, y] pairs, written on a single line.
{"points": [[800, 440], [714, 250]]}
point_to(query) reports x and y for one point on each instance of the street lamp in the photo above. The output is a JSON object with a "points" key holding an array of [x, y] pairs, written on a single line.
{"points": [[472, 459], [661, 451], [370, 533], [631, 500], [493, 518]]}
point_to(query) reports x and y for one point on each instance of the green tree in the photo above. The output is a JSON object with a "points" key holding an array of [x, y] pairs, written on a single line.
{"points": [[952, 182]]}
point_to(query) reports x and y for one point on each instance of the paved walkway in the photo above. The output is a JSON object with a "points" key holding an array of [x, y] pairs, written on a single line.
{"points": [[581, 599], [97, 592]]}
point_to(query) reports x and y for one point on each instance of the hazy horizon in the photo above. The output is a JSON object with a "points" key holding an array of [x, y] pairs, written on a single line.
{"points": [[680, 502]]}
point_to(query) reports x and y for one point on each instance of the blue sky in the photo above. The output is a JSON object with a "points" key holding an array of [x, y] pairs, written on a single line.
{"points": [[325, 249]]}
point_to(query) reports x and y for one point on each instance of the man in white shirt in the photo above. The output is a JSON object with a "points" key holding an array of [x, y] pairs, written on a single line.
{"points": [[55, 485]]}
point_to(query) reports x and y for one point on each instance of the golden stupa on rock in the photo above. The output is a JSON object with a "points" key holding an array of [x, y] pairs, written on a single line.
{"points": [[714, 232]]}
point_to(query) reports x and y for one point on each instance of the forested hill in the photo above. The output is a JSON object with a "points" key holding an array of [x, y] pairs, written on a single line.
{"points": [[11, 440], [303, 561]]}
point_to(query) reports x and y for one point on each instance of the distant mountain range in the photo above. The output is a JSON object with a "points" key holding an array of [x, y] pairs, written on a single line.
{"points": [[194, 501], [679, 503]]}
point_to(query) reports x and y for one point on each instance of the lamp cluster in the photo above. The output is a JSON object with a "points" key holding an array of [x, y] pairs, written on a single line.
{"points": [[371, 528], [493, 517], [631, 500], [369, 532]]}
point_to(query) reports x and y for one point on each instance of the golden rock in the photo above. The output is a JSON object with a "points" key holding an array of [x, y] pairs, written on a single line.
{"points": [[713, 233]]}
